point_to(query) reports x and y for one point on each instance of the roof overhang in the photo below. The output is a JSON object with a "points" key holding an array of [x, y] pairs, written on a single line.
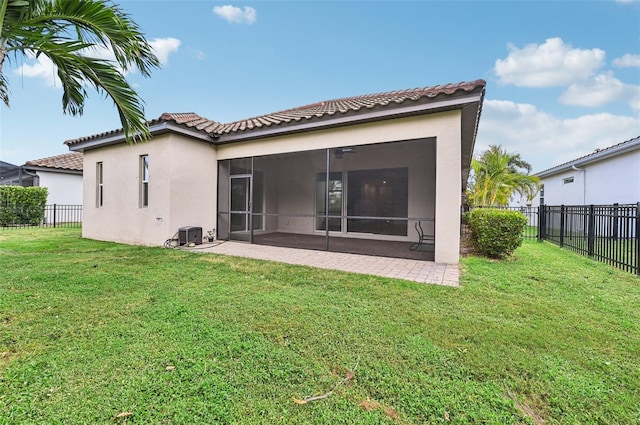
{"points": [[51, 170], [352, 118], [156, 129]]}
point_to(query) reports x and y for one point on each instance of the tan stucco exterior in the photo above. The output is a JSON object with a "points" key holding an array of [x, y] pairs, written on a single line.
{"points": [[183, 178], [182, 182]]}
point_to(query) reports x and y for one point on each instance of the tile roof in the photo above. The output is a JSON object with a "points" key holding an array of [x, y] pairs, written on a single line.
{"points": [[324, 108], [594, 156], [67, 161], [314, 111]]}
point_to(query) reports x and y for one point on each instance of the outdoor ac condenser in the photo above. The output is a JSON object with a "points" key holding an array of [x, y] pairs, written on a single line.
{"points": [[187, 235]]}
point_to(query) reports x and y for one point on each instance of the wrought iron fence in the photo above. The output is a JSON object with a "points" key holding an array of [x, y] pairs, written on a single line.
{"points": [[53, 215], [608, 233]]}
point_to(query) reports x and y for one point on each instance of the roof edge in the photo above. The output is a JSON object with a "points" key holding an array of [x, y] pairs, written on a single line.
{"points": [[156, 127], [611, 151], [344, 120]]}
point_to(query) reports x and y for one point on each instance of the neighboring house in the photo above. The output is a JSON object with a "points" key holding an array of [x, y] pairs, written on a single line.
{"points": [[60, 174], [606, 176], [364, 167]]}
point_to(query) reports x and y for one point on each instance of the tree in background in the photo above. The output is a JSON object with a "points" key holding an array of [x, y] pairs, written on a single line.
{"points": [[68, 32], [497, 175]]}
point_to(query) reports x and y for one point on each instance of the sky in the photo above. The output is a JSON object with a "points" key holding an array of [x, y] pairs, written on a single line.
{"points": [[563, 77]]}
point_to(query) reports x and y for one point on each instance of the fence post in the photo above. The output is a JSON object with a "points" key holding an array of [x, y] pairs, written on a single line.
{"points": [[591, 231], [616, 219], [54, 215], [541, 222], [562, 223], [638, 238]]}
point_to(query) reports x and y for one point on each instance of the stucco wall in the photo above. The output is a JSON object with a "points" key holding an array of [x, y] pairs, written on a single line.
{"points": [[63, 188], [182, 184], [612, 180], [183, 175]]}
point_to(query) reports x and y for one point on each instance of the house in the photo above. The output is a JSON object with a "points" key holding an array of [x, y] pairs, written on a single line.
{"points": [[361, 170], [605, 176], [60, 174]]}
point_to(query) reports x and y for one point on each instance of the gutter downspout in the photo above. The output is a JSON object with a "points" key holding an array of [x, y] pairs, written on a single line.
{"points": [[584, 183]]}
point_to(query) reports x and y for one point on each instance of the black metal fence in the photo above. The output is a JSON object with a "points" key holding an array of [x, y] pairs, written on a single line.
{"points": [[54, 215], [608, 233]]}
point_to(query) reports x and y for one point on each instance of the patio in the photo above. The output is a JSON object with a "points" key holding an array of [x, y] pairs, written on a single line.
{"points": [[397, 268]]}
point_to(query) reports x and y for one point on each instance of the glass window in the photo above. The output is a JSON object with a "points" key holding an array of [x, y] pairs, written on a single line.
{"points": [[378, 201], [99, 185], [144, 181]]}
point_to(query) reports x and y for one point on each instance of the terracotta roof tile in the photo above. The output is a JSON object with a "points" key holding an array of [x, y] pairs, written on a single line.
{"points": [[67, 161], [314, 111]]}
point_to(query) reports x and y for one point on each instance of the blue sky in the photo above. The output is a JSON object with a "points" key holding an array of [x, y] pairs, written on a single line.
{"points": [[563, 77]]}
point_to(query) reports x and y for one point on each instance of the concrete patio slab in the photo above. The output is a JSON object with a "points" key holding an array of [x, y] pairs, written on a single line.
{"points": [[398, 268]]}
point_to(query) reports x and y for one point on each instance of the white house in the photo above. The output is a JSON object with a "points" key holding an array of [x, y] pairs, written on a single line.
{"points": [[606, 176], [356, 172], [60, 174]]}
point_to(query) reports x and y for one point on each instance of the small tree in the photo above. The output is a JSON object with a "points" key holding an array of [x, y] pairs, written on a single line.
{"points": [[496, 175]]}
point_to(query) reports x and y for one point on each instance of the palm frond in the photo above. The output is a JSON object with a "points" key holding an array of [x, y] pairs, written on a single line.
{"points": [[65, 31]]}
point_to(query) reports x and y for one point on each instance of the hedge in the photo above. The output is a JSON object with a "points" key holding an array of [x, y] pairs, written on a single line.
{"points": [[496, 233], [22, 205]]}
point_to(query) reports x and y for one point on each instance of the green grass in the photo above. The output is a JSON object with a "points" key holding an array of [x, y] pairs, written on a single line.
{"points": [[89, 330]]}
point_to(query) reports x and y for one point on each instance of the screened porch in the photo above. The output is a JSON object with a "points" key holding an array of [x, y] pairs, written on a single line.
{"points": [[363, 199]]}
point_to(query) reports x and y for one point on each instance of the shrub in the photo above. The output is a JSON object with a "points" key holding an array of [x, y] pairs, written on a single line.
{"points": [[22, 205], [496, 233]]}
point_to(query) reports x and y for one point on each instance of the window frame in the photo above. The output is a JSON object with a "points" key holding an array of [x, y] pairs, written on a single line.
{"points": [[99, 184], [144, 181]]}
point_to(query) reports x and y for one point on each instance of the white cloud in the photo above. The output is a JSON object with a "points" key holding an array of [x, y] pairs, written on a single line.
{"points": [[545, 140], [235, 14], [163, 47], [42, 67], [552, 63], [627, 60], [597, 91]]}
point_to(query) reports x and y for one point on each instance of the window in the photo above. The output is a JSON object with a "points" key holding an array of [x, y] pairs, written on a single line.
{"points": [[99, 185], [378, 201], [567, 180], [335, 201], [144, 181]]}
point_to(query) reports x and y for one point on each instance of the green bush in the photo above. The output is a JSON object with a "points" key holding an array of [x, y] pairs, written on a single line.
{"points": [[496, 233], [22, 205]]}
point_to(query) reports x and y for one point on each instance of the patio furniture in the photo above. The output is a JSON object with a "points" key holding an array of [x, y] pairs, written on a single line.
{"points": [[426, 241]]}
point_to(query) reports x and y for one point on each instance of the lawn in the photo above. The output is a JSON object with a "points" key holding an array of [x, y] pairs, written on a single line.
{"points": [[95, 332]]}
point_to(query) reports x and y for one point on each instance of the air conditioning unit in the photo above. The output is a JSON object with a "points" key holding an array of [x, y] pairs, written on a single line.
{"points": [[189, 234]]}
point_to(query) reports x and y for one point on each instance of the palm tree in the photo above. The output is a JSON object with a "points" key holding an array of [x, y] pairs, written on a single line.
{"points": [[497, 175], [66, 31]]}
